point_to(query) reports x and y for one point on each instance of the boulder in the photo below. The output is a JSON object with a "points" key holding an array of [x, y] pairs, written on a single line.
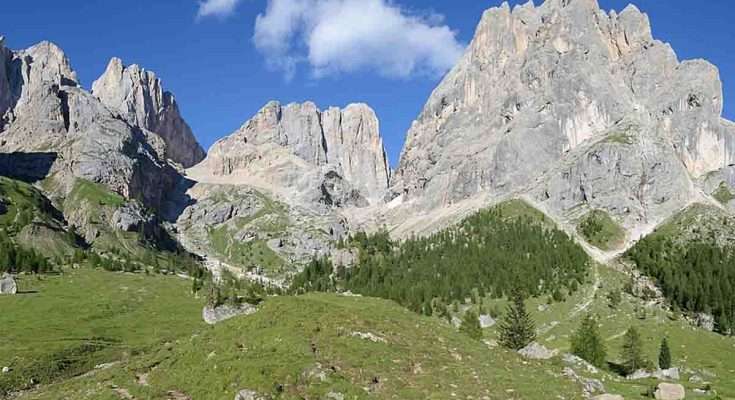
{"points": [[8, 285], [536, 351], [667, 374], [246, 394], [608, 396], [669, 391], [486, 321], [214, 315]]}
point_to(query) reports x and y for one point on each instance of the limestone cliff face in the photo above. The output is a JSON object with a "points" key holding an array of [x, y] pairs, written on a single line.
{"points": [[335, 157], [575, 106], [47, 112], [138, 96]]}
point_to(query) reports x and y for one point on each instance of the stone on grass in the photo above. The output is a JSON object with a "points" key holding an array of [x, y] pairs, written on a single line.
{"points": [[246, 394], [535, 351], [608, 396], [8, 285], [486, 321], [670, 391], [214, 315]]}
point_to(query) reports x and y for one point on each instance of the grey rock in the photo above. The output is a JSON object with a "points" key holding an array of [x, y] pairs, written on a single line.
{"points": [[138, 96], [669, 391], [705, 321], [593, 386], [536, 351], [667, 374], [608, 396], [8, 285], [51, 113], [486, 321], [246, 394], [214, 315], [575, 107], [335, 157]]}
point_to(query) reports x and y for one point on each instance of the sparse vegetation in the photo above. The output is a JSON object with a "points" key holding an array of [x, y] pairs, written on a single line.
{"points": [[600, 230], [723, 194]]}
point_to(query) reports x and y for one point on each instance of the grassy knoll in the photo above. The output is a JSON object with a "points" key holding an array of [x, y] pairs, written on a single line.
{"points": [[600, 230]]}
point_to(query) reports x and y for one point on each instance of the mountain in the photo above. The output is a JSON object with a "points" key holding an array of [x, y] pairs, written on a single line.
{"points": [[328, 158], [577, 110], [138, 96], [107, 173]]}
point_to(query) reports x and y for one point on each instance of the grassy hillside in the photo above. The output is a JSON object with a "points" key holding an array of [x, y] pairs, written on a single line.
{"points": [[306, 347], [692, 259], [64, 325], [27, 216]]}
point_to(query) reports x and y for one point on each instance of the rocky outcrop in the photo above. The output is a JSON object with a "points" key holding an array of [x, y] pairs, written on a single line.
{"points": [[334, 158], [579, 108], [8, 285], [49, 113], [214, 315], [138, 97], [669, 391]]}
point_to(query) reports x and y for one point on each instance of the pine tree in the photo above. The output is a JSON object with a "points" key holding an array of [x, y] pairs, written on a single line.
{"points": [[471, 325], [517, 329], [632, 351], [664, 355], [587, 343]]}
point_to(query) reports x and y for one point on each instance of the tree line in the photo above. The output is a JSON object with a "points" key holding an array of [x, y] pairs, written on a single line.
{"points": [[696, 276], [488, 254]]}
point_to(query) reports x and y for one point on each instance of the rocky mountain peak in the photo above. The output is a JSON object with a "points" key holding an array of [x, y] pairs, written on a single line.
{"points": [[581, 107], [138, 96], [281, 140]]}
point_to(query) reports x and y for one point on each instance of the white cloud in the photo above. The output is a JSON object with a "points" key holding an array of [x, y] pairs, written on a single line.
{"points": [[217, 8], [336, 36]]}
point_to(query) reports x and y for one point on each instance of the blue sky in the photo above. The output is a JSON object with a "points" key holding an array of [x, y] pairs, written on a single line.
{"points": [[221, 76]]}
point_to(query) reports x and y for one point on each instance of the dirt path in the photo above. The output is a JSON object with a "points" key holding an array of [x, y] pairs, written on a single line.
{"points": [[590, 297]]}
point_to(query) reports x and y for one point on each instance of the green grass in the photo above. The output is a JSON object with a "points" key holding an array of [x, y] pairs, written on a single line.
{"points": [[421, 358], [32, 220], [246, 254], [516, 208], [600, 230], [64, 325], [692, 349], [620, 138], [723, 194], [96, 193]]}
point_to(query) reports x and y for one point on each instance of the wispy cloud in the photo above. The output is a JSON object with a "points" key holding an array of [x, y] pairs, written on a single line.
{"points": [[216, 8], [341, 36]]}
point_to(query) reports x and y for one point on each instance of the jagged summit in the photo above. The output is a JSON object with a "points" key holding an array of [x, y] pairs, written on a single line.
{"points": [[576, 108], [138, 96], [335, 156]]}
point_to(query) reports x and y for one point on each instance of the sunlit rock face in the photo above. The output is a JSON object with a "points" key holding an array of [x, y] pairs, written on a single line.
{"points": [[334, 157], [573, 105], [138, 96]]}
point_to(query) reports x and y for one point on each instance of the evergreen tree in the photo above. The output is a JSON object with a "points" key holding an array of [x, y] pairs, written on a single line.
{"points": [[517, 329], [471, 325], [632, 351], [664, 355], [587, 343]]}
